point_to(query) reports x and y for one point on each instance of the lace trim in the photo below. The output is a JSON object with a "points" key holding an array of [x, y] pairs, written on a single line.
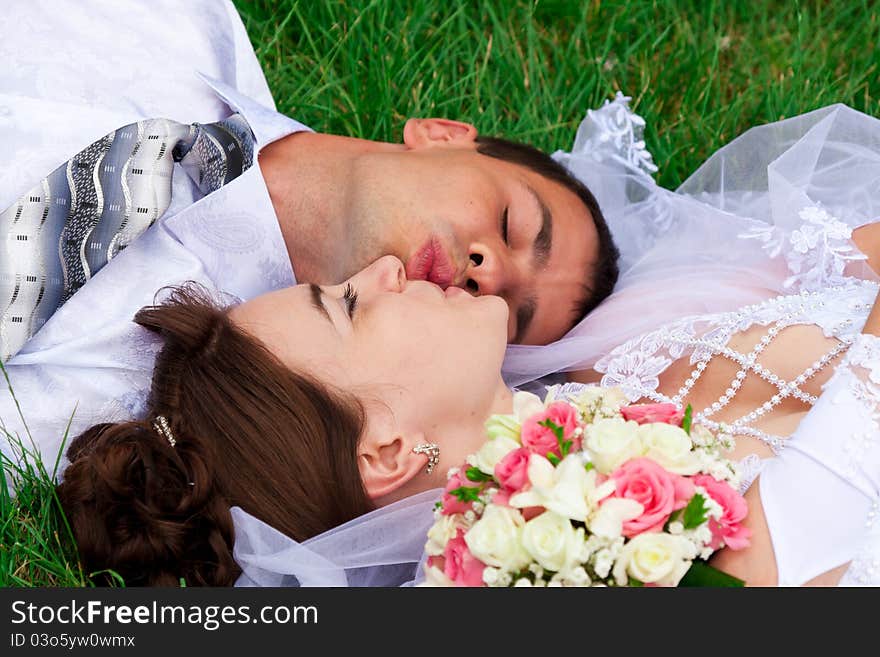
{"points": [[615, 132], [637, 364], [864, 569], [749, 468], [816, 252], [860, 371]]}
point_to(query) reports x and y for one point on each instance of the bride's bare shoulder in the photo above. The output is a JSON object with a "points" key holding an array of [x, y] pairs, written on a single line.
{"points": [[584, 376]]}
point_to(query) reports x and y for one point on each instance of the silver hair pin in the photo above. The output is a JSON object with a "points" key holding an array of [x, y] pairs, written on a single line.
{"points": [[432, 451], [160, 424]]}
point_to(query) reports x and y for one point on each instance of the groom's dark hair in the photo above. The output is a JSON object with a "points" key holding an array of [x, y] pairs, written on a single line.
{"points": [[602, 274]]}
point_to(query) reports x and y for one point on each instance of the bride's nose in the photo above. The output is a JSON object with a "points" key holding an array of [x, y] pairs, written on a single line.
{"points": [[387, 274]]}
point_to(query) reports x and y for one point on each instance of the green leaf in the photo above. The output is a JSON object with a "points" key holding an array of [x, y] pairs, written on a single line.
{"points": [[559, 432], [555, 428], [695, 512], [636, 583], [475, 474], [589, 466], [466, 493], [688, 419], [553, 458], [702, 574]]}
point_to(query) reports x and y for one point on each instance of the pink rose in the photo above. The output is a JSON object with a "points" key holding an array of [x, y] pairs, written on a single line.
{"points": [[460, 565], [727, 530], [512, 471], [658, 491], [645, 413], [541, 440], [501, 497], [450, 504]]}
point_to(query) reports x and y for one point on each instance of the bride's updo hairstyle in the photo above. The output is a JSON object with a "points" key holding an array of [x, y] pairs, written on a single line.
{"points": [[247, 432]]}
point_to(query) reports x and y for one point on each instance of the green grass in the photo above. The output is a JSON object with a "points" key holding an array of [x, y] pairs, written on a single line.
{"points": [[36, 545], [700, 72]]}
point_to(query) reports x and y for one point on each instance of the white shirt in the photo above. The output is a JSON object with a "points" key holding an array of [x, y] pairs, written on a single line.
{"points": [[72, 76]]}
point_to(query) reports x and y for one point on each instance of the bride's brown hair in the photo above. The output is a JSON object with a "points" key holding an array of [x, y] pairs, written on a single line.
{"points": [[248, 432]]}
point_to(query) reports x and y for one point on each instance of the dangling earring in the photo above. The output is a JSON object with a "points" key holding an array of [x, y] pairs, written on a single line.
{"points": [[432, 451]]}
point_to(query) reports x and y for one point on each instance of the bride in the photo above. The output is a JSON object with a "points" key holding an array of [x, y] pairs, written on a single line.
{"points": [[302, 409]]}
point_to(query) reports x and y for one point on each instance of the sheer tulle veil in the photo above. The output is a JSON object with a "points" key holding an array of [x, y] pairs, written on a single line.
{"points": [[741, 229], [726, 238]]}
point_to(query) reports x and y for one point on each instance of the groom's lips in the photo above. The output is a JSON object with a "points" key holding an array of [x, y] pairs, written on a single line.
{"points": [[430, 263]]}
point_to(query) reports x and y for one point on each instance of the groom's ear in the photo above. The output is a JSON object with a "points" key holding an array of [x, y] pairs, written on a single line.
{"points": [[387, 462], [433, 133]]}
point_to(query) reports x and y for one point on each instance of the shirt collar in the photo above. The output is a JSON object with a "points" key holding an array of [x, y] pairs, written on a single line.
{"points": [[266, 124]]}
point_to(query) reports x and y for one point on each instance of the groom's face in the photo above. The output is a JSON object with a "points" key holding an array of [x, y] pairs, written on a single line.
{"points": [[457, 217]]}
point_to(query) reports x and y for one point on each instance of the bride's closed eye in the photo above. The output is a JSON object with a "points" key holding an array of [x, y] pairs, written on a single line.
{"points": [[350, 297]]}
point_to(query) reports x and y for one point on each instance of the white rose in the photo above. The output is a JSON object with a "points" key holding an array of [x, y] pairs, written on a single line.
{"points": [[526, 404], [612, 442], [669, 446], [553, 542], [495, 539], [503, 425], [442, 531], [654, 558], [434, 577], [492, 451]]}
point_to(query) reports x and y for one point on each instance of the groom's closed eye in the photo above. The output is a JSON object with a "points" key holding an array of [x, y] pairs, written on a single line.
{"points": [[540, 257]]}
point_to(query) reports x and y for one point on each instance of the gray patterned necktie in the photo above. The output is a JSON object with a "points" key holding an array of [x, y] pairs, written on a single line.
{"points": [[63, 230]]}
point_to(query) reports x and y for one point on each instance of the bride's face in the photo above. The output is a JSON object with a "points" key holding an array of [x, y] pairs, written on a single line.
{"points": [[428, 355]]}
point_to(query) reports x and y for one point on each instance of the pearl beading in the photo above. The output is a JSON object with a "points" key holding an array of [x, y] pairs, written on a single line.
{"points": [[798, 307]]}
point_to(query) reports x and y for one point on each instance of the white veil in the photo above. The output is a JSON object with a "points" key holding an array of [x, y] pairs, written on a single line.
{"points": [[727, 237], [736, 232]]}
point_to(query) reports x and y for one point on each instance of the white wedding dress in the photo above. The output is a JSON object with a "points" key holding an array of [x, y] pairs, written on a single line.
{"points": [[759, 236]]}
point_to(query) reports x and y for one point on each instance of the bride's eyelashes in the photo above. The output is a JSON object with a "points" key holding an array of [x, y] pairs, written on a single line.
{"points": [[350, 297]]}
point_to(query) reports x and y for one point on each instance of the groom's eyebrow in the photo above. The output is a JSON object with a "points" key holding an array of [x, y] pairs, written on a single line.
{"points": [[544, 239], [318, 302]]}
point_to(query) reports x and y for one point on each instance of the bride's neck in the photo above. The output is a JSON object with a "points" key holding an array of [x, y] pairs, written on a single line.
{"points": [[503, 402]]}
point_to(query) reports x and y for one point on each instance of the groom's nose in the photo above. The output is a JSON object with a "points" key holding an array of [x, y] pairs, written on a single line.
{"points": [[488, 271]]}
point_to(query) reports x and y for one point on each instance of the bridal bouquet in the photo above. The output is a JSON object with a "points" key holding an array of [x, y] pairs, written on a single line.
{"points": [[585, 490]]}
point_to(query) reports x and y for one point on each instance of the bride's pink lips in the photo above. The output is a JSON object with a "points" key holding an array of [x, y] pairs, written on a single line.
{"points": [[430, 263]]}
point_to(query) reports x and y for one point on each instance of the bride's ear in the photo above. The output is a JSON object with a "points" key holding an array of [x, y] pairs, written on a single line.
{"points": [[387, 462]]}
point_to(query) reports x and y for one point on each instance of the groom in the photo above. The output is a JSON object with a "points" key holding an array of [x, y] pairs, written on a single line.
{"points": [[488, 215]]}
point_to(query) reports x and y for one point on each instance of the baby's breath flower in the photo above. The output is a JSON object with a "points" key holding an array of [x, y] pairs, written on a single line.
{"points": [[603, 562], [578, 577], [490, 575], [676, 527], [504, 578]]}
